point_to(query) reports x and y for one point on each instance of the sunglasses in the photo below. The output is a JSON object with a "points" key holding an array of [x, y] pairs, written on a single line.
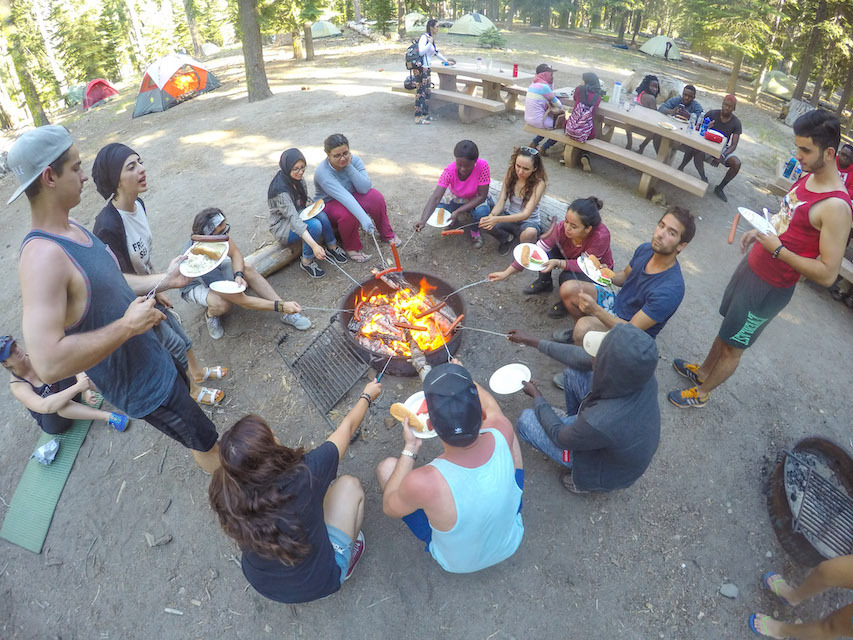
{"points": [[530, 151]]}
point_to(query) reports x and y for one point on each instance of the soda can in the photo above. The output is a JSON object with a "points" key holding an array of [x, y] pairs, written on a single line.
{"points": [[515, 70]]}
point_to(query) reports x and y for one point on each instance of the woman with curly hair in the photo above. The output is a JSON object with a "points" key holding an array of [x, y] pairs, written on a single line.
{"points": [[647, 96], [515, 216], [298, 527]]}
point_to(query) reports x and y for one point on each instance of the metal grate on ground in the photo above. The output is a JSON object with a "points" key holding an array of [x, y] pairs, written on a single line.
{"points": [[826, 514], [327, 368]]}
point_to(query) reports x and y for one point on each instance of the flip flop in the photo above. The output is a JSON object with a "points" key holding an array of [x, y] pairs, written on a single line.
{"points": [[758, 625], [210, 397], [213, 373], [360, 256], [771, 581]]}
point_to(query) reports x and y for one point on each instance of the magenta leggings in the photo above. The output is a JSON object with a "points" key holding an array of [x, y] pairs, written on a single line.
{"points": [[373, 203]]}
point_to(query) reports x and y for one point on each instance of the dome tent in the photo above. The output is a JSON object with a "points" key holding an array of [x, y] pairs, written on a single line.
{"points": [[324, 29], [778, 84], [657, 46], [97, 91], [471, 24], [414, 19], [172, 79]]}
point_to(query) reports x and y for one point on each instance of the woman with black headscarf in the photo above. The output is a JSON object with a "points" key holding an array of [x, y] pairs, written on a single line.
{"points": [[287, 196]]}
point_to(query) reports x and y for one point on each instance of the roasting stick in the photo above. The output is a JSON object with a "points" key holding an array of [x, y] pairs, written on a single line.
{"points": [[379, 251], [357, 283], [446, 348], [403, 246], [484, 280], [382, 373], [494, 333], [323, 309], [153, 291]]}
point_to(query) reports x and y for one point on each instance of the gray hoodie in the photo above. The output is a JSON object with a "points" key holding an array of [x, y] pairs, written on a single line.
{"points": [[617, 430]]}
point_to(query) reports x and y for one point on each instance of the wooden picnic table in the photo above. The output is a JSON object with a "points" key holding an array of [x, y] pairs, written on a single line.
{"points": [[499, 89]]}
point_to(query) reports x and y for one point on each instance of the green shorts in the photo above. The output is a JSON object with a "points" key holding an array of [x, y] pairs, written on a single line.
{"points": [[749, 303]]}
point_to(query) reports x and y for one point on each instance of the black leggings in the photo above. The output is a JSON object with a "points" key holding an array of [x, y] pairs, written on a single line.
{"points": [[53, 423], [556, 254]]}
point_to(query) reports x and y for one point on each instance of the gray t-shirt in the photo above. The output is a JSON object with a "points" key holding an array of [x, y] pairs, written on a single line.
{"points": [[137, 234]]}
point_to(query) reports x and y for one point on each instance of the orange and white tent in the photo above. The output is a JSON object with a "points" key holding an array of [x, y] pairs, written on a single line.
{"points": [[170, 80]]}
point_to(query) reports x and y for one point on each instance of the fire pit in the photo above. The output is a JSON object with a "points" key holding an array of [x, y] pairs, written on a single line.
{"points": [[386, 314], [809, 500]]}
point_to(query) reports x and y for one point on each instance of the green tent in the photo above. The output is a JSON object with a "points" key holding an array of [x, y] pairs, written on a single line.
{"points": [[661, 47], [778, 84], [471, 24], [74, 96], [324, 29]]}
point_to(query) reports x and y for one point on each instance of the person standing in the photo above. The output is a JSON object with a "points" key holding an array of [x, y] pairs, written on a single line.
{"points": [[122, 225], [427, 50], [81, 314], [812, 228], [465, 504], [727, 123]]}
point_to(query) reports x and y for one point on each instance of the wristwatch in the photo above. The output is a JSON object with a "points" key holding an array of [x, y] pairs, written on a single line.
{"points": [[411, 454]]}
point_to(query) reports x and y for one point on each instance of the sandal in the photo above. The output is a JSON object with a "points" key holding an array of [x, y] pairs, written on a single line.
{"points": [[210, 397], [758, 625], [359, 256], [771, 582], [212, 373]]}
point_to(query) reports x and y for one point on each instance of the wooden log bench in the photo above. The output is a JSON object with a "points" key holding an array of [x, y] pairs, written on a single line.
{"points": [[649, 167], [470, 107], [272, 256]]}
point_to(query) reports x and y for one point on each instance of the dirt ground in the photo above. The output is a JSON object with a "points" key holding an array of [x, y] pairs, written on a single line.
{"points": [[642, 563]]}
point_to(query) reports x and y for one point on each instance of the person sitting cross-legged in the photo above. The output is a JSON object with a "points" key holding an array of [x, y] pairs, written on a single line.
{"points": [[727, 123], [652, 286], [612, 427], [465, 504]]}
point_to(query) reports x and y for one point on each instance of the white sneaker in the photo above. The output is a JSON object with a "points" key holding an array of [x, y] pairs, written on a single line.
{"points": [[214, 327], [296, 320]]}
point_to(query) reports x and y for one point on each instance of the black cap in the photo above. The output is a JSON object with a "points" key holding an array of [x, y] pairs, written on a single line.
{"points": [[542, 68], [453, 404]]}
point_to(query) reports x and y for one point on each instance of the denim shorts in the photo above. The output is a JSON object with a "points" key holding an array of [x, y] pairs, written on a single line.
{"points": [[342, 544]]}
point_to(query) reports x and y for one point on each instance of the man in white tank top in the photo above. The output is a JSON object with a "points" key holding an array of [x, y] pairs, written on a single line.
{"points": [[466, 504]]}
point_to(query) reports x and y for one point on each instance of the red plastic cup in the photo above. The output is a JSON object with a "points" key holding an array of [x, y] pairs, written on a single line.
{"points": [[515, 70]]}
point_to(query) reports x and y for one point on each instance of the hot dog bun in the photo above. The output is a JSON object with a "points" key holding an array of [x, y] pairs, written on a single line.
{"points": [[399, 412], [594, 261], [607, 273], [316, 208], [201, 250], [525, 256], [439, 216]]}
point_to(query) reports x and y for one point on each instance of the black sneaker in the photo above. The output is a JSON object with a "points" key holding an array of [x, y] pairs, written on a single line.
{"points": [[312, 269], [718, 191], [540, 285], [563, 336], [337, 254], [558, 310], [505, 245]]}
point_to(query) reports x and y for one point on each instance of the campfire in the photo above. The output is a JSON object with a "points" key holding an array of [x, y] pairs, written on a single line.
{"points": [[384, 322]]}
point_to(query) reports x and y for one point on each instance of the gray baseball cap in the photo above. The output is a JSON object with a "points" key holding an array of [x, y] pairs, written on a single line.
{"points": [[33, 152]]}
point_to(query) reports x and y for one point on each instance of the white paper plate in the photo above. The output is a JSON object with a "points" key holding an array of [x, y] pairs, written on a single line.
{"points": [[508, 378], [433, 219], [414, 404], [534, 251], [309, 212], [667, 125], [227, 286], [591, 271], [757, 220], [680, 118], [209, 265]]}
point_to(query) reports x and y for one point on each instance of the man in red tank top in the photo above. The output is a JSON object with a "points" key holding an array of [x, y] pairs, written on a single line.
{"points": [[812, 225]]}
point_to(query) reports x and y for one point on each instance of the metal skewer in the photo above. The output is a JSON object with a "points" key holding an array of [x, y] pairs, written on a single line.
{"points": [[462, 326], [407, 241], [378, 250], [382, 373], [446, 348], [484, 280], [153, 291], [357, 283], [324, 309]]}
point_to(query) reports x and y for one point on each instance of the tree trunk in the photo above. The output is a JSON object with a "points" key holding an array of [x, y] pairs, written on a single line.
{"points": [[818, 85], [733, 76], [846, 91], [28, 88], [253, 51], [141, 51], [623, 19], [510, 14], [563, 22], [309, 41], [189, 9], [807, 61], [356, 10], [546, 15], [298, 51], [41, 14], [401, 19], [638, 21]]}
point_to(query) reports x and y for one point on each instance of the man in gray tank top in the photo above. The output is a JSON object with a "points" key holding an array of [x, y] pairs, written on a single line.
{"points": [[80, 313]]}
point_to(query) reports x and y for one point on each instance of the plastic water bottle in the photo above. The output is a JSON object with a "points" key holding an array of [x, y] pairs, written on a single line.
{"points": [[789, 166], [617, 93], [691, 124], [489, 63], [797, 172], [704, 128], [479, 64]]}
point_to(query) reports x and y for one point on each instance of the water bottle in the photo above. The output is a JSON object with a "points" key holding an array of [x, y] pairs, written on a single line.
{"points": [[617, 93], [479, 64], [691, 124], [789, 166], [704, 128], [797, 172], [489, 63]]}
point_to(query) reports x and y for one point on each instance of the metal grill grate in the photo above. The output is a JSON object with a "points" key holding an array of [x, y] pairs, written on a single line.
{"points": [[327, 368], [826, 515]]}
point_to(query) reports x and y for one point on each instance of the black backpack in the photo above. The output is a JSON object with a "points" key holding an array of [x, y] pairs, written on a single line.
{"points": [[413, 56]]}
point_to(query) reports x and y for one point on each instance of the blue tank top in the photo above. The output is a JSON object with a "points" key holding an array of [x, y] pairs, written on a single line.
{"points": [[488, 525], [137, 377]]}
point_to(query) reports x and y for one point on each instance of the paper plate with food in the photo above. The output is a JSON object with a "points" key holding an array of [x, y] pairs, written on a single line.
{"points": [[440, 218], [202, 258], [757, 220], [593, 269], [680, 117], [312, 210], [530, 256], [667, 125], [227, 287], [509, 378], [415, 409]]}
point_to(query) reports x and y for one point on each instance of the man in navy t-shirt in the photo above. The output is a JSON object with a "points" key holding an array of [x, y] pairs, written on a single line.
{"points": [[651, 285]]}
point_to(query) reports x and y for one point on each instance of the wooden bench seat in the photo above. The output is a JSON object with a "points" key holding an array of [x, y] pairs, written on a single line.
{"points": [[470, 107], [846, 270], [649, 167]]}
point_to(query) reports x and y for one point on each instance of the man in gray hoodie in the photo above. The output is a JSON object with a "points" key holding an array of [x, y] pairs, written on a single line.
{"points": [[612, 429]]}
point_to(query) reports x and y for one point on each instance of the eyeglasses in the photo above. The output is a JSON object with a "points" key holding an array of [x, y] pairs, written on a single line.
{"points": [[530, 151], [298, 170], [338, 156]]}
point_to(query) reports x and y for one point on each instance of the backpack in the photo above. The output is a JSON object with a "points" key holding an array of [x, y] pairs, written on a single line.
{"points": [[579, 125], [413, 56]]}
